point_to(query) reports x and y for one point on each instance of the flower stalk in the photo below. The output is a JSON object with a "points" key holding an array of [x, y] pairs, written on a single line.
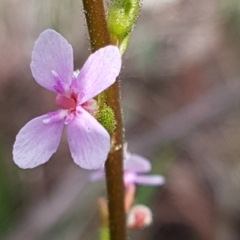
{"points": [[100, 37]]}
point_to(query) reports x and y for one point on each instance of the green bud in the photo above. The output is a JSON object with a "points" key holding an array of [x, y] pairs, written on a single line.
{"points": [[107, 118], [122, 15], [101, 99]]}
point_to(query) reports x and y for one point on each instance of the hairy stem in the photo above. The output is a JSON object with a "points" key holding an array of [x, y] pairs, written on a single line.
{"points": [[99, 37]]}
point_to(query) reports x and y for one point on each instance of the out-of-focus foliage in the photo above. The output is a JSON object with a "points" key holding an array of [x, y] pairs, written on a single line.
{"points": [[230, 14], [160, 165], [7, 200]]}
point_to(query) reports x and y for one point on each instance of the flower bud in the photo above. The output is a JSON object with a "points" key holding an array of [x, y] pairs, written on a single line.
{"points": [[122, 15], [139, 216], [107, 118]]}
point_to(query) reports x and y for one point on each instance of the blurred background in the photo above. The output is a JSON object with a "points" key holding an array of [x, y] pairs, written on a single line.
{"points": [[181, 101]]}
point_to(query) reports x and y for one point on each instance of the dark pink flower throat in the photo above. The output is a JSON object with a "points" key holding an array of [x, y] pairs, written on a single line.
{"points": [[65, 102]]}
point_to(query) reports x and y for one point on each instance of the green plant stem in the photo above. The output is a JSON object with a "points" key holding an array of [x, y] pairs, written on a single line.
{"points": [[99, 37], [104, 233]]}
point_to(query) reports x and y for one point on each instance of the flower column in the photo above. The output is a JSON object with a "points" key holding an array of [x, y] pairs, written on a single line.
{"points": [[99, 37]]}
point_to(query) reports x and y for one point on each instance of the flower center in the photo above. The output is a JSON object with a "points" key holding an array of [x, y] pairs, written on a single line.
{"points": [[66, 103]]}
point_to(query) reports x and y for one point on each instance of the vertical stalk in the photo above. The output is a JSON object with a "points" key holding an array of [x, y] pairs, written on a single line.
{"points": [[96, 22], [99, 37]]}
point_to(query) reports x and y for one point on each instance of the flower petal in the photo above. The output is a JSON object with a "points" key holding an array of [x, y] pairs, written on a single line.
{"points": [[89, 142], [98, 73], [52, 62], [149, 180], [36, 142], [136, 163]]}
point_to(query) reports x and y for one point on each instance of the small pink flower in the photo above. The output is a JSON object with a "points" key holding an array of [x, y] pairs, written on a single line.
{"points": [[52, 68], [139, 216], [134, 166]]}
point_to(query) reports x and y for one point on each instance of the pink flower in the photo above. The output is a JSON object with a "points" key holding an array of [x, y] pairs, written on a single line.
{"points": [[52, 68], [134, 166], [139, 216]]}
